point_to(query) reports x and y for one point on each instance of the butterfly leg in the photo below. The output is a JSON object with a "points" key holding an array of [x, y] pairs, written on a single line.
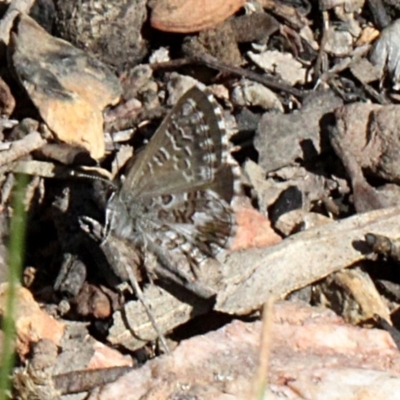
{"points": [[169, 271]]}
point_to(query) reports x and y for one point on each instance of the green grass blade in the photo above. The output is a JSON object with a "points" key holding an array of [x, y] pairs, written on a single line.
{"points": [[16, 252]]}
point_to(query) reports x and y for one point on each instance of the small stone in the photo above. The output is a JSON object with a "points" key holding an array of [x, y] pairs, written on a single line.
{"points": [[109, 30], [254, 230], [279, 137], [160, 55], [254, 94], [339, 43], [299, 220]]}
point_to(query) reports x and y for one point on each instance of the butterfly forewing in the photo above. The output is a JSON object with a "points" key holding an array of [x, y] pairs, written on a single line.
{"points": [[185, 152]]}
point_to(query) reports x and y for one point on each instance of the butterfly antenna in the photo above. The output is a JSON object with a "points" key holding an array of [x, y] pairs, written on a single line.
{"points": [[83, 175]]}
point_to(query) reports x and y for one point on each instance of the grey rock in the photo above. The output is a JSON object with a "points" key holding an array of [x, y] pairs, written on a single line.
{"points": [[281, 139]]}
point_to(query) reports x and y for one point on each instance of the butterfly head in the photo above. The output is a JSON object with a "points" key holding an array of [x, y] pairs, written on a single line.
{"points": [[117, 218]]}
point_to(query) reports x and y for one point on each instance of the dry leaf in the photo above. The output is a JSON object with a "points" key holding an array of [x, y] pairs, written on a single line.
{"points": [[69, 88]]}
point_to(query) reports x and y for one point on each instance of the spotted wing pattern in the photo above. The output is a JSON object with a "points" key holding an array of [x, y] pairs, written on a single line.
{"points": [[175, 199]]}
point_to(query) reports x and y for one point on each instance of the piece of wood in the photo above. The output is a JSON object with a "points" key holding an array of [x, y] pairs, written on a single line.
{"points": [[300, 260]]}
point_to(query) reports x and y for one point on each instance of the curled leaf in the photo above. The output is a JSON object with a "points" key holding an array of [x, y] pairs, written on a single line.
{"points": [[186, 16]]}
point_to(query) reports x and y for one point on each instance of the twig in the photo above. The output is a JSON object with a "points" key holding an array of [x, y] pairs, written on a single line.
{"points": [[21, 148], [260, 385], [82, 381], [213, 63], [321, 52]]}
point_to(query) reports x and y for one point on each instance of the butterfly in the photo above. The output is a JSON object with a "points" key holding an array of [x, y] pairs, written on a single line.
{"points": [[175, 200]]}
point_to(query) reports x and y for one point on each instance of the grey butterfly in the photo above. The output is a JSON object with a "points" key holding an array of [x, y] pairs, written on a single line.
{"points": [[174, 202]]}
